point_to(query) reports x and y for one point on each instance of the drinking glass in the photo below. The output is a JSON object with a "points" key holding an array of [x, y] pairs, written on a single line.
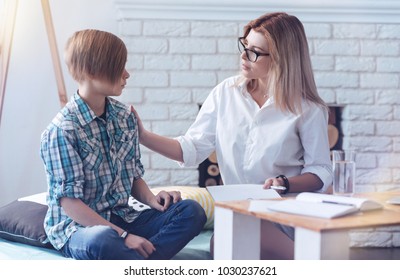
{"points": [[344, 172]]}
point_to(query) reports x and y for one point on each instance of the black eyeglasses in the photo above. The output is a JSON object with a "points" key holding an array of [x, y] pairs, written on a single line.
{"points": [[250, 54]]}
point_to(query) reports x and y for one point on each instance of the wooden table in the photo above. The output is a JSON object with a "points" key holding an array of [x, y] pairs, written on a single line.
{"points": [[237, 230]]}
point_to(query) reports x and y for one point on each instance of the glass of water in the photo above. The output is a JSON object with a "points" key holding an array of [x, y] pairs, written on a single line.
{"points": [[344, 172]]}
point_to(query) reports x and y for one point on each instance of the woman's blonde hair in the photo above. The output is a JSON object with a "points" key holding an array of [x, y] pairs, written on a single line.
{"points": [[96, 54], [291, 78]]}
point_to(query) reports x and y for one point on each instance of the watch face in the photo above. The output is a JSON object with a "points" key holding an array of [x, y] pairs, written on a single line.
{"points": [[124, 234]]}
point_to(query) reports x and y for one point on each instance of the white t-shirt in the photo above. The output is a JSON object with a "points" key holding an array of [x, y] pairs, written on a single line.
{"points": [[253, 143]]}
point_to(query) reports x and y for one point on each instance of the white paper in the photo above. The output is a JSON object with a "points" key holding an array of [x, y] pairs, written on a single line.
{"points": [[324, 205], [394, 200], [362, 204], [261, 205], [320, 210], [241, 192]]}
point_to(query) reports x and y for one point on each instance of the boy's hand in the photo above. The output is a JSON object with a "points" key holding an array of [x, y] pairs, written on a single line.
{"points": [[164, 199], [143, 246]]}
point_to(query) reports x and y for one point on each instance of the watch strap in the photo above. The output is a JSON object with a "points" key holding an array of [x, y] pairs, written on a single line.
{"points": [[124, 234], [286, 183]]}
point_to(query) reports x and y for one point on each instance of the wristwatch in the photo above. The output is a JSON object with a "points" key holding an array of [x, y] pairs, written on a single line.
{"points": [[124, 234], [286, 183]]}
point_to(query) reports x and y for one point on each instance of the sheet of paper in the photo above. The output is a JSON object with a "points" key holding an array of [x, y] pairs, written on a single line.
{"points": [[361, 203], [241, 192], [261, 205], [313, 209], [394, 200]]}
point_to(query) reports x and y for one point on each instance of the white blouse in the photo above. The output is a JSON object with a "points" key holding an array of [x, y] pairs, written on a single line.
{"points": [[253, 143]]}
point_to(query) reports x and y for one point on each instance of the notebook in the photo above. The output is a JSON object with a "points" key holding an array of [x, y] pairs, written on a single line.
{"points": [[394, 200], [241, 192], [324, 205]]}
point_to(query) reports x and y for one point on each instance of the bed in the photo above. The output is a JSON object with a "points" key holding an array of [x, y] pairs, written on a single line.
{"points": [[22, 235], [197, 249]]}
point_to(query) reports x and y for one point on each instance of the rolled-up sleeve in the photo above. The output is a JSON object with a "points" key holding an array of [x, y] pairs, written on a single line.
{"points": [[314, 137], [63, 165], [199, 141], [189, 151]]}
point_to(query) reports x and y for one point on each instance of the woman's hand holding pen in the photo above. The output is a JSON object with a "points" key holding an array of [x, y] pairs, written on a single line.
{"points": [[276, 184]]}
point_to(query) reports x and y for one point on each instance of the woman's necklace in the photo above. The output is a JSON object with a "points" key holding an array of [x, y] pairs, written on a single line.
{"points": [[252, 88]]}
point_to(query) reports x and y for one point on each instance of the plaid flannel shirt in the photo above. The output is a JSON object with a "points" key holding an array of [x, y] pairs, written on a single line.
{"points": [[92, 159]]}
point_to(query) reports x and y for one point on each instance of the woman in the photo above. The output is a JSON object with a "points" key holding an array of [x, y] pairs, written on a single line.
{"points": [[268, 125]]}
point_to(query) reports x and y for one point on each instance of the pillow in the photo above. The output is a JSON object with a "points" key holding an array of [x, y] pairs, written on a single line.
{"points": [[22, 221], [201, 195]]}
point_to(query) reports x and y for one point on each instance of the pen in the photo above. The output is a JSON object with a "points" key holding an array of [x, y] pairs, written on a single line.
{"points": [[278, 188], [339, 203]]}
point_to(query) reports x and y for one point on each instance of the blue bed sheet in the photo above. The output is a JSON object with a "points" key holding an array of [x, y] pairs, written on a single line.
{"points": [[197, 249]]}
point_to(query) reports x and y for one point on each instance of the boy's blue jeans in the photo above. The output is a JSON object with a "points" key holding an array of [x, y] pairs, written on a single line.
{"points": [[169, 232]]}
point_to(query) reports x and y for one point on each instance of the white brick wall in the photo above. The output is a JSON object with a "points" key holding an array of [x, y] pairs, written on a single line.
{"points": [[174, 63]]}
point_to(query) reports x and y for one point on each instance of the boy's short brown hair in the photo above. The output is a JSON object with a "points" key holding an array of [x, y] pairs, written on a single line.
{"points": [[96, 54]]}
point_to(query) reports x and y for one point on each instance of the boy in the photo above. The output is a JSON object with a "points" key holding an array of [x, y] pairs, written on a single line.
{"points": [[92, 160]]}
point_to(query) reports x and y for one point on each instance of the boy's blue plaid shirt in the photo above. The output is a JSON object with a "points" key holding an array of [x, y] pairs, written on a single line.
{"points": [[91, 159]]}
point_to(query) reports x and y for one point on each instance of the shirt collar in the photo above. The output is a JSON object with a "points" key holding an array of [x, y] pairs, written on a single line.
{"points": [[242, 85], [86, 115], [110, 109]]}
